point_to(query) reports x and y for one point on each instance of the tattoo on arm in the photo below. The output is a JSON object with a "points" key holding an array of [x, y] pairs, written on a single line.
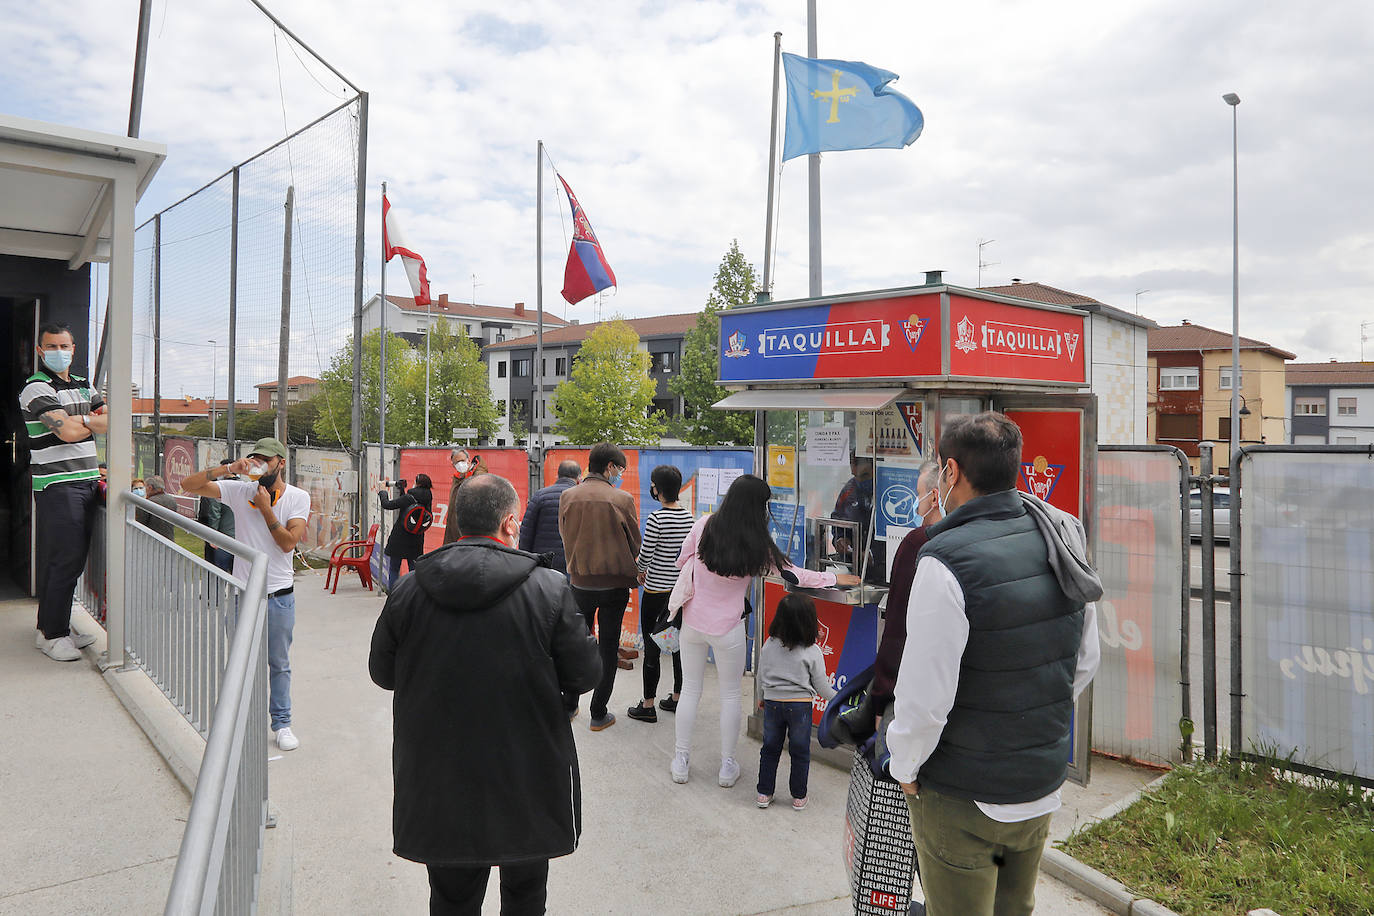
{"points": [[53, 420], [274, 526]]}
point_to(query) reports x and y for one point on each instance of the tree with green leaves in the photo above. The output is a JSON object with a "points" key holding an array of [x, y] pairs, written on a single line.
{"points": [[735, 284], [609, 395], [459, 395]]}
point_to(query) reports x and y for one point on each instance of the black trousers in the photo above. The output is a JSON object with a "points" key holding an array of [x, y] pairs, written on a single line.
{"points": [[653, 616], [459, 891], [65, 515], [607, 607]]}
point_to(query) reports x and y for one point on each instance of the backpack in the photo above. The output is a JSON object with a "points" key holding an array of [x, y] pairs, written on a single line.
{"points": [[417, 519]]}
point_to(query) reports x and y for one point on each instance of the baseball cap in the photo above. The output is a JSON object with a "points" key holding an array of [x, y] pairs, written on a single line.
{"points": [[268, 448]]}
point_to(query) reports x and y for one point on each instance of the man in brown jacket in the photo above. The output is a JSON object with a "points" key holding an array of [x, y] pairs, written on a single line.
{"points": [[600, 530], [465, 467]]}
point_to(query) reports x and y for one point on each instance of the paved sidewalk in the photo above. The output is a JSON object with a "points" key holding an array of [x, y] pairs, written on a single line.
{"points": [[648, 844], [92, 816]]}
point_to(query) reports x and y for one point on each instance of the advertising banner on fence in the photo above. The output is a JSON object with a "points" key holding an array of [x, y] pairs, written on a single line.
{"points": [[510, 463], [327, 476], [1137, 699], [1307, 542]]}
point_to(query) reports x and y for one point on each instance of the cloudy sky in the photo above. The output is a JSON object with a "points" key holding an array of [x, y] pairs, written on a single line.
{"points": [[1089, 140]]}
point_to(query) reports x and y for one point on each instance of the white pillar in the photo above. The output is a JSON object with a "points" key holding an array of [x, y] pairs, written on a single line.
{"points": [[119, 448]]}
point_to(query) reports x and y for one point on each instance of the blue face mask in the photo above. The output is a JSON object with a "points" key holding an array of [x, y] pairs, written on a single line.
{"points": [[57, 360], [138, 491]]}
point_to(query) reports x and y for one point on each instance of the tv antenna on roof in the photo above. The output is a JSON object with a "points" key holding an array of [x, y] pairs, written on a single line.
{"points": [[981, 263], [1364, 335]]}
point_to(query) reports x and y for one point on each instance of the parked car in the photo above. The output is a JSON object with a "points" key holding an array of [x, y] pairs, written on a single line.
{"points": [[1221, 514]]}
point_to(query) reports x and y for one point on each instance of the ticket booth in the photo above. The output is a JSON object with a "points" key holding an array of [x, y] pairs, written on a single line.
{"points": [[851, 391]]}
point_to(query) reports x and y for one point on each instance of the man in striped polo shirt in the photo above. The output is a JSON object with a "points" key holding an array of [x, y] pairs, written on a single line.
{"points": [[57, 411]]}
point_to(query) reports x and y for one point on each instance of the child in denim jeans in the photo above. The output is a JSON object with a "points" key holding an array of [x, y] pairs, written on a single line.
{"points": [[791, 673]]}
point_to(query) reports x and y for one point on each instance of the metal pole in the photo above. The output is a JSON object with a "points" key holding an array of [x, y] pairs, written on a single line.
{"points": [[429, 328], [381, 361], [1209, 606], [538, 368], [119, 442], [1234, 100], [1185, 636], [813, 174], [157, 344], [1234, 546], [284, 341], [214, 381], [230, 429], [145, 20], [359, 255], [766, 291]]}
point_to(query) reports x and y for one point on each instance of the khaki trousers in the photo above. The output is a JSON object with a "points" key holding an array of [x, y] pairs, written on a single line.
{"points": [[972, 865]]}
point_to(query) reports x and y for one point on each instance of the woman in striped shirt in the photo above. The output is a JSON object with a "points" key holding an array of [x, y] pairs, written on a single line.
{"points": [[664, 531]]}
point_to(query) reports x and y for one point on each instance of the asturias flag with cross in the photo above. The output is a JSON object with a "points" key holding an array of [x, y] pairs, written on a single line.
{"points": [[844, 104], [586, 271]]}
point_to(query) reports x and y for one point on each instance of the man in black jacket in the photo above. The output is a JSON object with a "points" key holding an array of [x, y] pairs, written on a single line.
{"points": [[484, 633], [539, 531]]}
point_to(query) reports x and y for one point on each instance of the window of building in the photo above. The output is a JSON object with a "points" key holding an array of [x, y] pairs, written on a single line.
{"points": [[1309, 407], [521, 367], [1225, 378], [501, 369], [1346, 407], [1177, 426], [560, 366], [1345, 440], [664, 362], [501, 409], [667, 406], [1224, 429], [1178, 378]]}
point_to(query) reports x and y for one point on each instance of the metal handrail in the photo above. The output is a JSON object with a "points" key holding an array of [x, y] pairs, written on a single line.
{"points": [[229, 807]]}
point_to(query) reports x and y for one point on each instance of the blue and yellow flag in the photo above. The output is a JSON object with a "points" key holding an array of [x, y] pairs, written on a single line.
{"points": [[844, 104]]}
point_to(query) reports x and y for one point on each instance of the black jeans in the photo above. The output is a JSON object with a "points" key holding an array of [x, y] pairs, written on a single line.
{"points": [[790, 721], [394, 564], [66, 514], [459, 891], [653, 616], [607, 607]]}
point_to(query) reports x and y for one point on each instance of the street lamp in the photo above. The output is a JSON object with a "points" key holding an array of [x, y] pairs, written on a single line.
{"points": [[1233, 100], [214, 380]]}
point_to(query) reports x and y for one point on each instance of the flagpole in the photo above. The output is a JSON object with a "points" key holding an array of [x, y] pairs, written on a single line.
{"points": [[813, 173], [538, 372], [429, 329], [766, 293]]}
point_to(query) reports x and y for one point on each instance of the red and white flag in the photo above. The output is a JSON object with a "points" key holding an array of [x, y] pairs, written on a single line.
{"points": [[393, 243]]}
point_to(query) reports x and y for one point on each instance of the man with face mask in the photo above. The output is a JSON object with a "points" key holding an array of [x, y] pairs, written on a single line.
{"points": [[271, 515], [58, 411], [996, 654], [600, 529], [465, 467]]}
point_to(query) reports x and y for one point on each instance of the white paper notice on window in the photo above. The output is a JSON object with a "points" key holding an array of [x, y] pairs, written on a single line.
{"points": [[727, 477], [894, 540], [708, 487], [828, 447]]}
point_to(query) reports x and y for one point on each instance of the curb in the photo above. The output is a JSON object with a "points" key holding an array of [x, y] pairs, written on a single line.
{"points": [[1085, 879]]}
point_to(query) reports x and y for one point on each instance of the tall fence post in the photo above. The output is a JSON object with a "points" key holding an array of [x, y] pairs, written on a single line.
{"points": [[284, 342], [1237, 742], [359, 254], [1209, 605], [157, 344], [231, 431]]}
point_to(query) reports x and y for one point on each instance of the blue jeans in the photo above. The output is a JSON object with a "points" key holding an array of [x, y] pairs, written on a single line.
{"points": [[788, 720], [281, 620]]}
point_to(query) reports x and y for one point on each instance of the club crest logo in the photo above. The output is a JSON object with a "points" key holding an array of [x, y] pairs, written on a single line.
{"points": [[911, 416], [823, 638], [912, 329], [966, 341], [1071, 342], [737, 347], [1040, 476]]}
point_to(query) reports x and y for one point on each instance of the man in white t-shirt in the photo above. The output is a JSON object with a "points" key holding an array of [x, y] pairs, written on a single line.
{"points": [[269, 514]]}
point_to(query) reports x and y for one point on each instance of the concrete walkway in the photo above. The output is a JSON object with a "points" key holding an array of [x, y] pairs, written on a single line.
{"points": [[92, 818], [648, 844]]}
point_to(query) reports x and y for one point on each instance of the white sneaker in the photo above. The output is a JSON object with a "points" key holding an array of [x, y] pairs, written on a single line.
{"points": [[287, 740], [80, 640], [729, 772], [679, 767], [61, 649]]}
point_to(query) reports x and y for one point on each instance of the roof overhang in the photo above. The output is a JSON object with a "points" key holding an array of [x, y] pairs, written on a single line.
{"points": [[55, 188], [810, 399]]}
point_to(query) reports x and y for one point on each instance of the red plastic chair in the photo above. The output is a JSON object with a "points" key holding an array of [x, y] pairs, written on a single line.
{"points": [[362, 562]]}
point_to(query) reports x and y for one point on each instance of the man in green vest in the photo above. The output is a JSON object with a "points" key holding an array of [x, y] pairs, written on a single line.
{"points": [[1000, 642]]}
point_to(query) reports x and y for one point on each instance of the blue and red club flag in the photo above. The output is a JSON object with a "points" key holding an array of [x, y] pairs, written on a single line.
{"points": [[845, 104], [586, 271]]}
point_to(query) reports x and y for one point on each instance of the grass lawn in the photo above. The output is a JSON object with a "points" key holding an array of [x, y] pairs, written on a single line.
{"points": [[1229, 837]]}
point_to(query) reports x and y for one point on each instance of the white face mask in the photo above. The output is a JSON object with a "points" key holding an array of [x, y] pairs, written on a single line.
{"points": [[460, 466], [940, 500]]}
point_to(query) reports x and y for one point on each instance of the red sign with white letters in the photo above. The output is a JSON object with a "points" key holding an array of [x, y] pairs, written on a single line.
{"points": [[997, 341]]}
